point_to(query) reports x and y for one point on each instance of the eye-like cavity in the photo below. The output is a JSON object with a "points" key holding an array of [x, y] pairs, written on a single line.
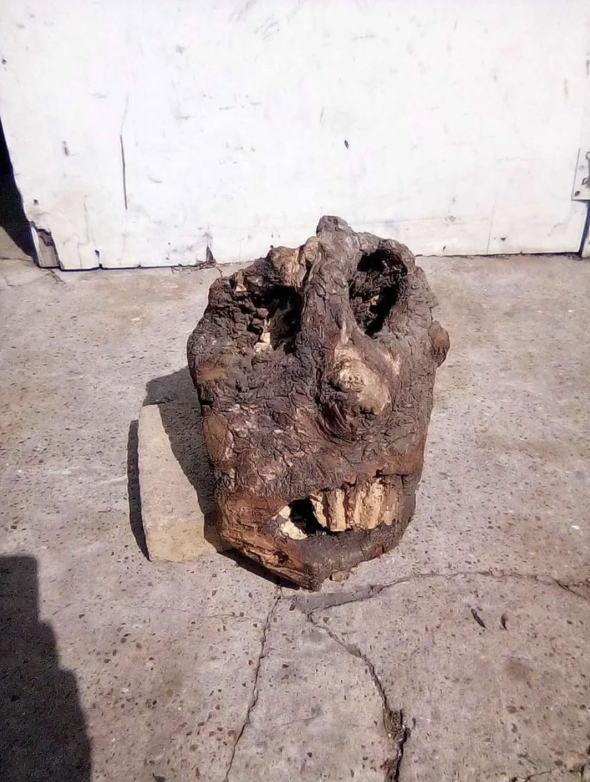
{"points": [[375, 289], [278, 318]]}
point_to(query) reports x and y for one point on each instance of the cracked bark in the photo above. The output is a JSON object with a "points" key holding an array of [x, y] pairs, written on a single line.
{"points": [[254, 695], [393, 719], [315, 368]]}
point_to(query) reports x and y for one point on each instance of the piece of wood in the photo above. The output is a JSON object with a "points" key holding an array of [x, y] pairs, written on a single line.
{"points": [[315, 369]]}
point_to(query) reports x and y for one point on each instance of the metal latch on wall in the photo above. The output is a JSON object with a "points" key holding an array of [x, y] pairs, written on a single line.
{"points": [[581, 190]]}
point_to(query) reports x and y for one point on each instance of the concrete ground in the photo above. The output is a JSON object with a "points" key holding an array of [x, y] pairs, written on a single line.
{"points": [[462, 655]]}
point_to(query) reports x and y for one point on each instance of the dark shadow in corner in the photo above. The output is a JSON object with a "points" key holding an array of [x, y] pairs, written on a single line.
{"points": [[12, 215], [177, 399], [43, 735]]}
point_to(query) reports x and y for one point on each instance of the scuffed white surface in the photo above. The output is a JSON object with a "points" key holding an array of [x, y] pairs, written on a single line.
{"points": [[463, 122]]}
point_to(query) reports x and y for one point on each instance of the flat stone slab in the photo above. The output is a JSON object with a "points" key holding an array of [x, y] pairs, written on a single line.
{"points": [[177, 506]]}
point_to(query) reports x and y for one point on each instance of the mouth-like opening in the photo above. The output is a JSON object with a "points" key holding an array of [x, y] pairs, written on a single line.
{"points": [[363, 505], [375, 289], [304, 518]]}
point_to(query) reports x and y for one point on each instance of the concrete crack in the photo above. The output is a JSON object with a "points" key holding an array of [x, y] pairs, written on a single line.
{"points": [[393, 719], [254, 695], [308, 604], [56, 278], [535, 774], [529, 776], [23, 284], [573, 586]]}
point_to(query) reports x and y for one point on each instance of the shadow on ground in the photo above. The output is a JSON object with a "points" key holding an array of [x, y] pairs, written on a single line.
{"points": [[43, 734]]}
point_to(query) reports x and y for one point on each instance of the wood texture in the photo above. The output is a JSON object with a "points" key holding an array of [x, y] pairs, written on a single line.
{"points": [[315, 369]]}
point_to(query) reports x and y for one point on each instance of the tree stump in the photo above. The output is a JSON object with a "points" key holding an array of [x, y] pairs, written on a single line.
{"points": [[315, 369]]}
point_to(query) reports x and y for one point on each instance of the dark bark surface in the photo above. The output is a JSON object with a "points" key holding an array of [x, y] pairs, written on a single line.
{"points": [[315, 368]]}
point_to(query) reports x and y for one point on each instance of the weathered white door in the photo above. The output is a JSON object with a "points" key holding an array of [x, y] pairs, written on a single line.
{"points": [[143, 133]]}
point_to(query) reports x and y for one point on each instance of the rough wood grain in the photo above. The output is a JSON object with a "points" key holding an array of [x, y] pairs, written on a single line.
{"points": [[315, 369]]}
